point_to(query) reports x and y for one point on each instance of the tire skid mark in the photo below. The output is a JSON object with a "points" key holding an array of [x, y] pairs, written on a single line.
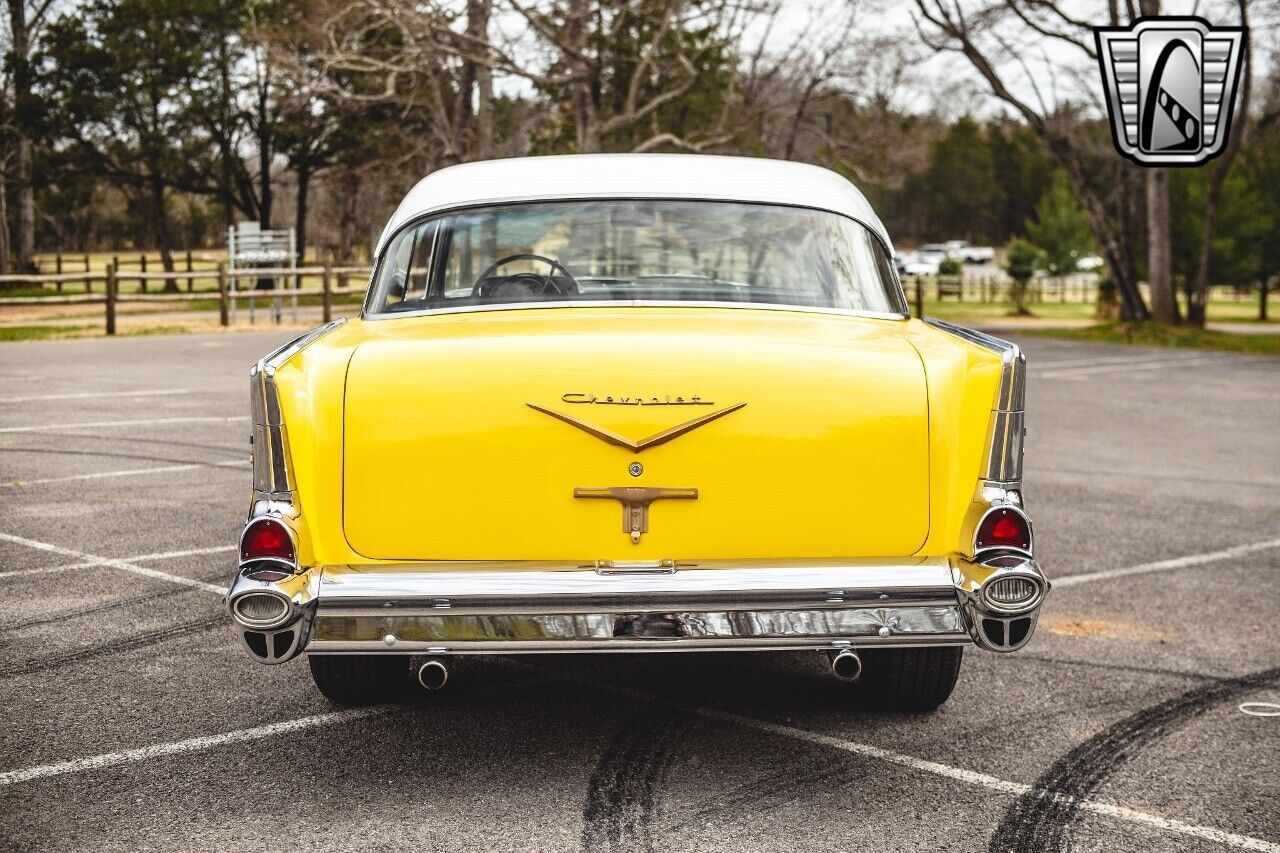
{"points": [[141, 440], [620, 805], [769, 792], [1042, 818], [104, 607], [1186, 674], [137, 641], [106, 455]]}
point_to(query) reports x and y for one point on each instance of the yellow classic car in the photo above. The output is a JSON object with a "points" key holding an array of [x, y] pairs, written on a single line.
{"points": [[649, 403]]}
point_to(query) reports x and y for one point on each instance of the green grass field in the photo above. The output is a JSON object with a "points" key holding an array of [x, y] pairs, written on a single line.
{"points": [[45, 333], [1156, 335], [1223, 308]]}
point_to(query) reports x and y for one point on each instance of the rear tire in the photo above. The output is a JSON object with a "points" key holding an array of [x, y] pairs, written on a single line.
{"points": [[912, 680], [360, 679]]}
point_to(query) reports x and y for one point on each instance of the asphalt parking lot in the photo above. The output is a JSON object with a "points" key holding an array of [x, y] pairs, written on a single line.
{"points": [[132, 720]]}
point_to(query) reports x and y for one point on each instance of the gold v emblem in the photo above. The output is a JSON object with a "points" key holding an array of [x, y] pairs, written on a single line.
{"points": [[636, 446]]}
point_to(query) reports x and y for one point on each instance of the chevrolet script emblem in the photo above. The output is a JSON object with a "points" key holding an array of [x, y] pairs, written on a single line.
{"points": [[635, 504], [1171, 88], [650, 441]]}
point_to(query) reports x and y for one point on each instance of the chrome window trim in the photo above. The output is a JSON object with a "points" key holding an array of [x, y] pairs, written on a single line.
{"points": [[637, 303], [384, 243]]}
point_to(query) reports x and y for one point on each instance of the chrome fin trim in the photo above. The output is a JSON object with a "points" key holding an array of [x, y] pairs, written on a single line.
{"points": [[1008, 429], [269, 442]]}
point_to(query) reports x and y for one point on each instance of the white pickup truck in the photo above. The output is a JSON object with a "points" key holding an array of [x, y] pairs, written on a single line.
{"points": [[962, 251]]}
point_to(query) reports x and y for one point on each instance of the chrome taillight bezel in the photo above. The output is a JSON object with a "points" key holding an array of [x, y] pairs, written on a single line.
{"points": [[980, 550]]}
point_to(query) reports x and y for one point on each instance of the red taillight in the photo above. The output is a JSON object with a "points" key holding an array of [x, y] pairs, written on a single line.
{"points": [[266, 537], [1004, 528]]}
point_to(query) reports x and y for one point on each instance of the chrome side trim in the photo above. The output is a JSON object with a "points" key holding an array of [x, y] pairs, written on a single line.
{"points": [[1007, 429], [276, 359]]}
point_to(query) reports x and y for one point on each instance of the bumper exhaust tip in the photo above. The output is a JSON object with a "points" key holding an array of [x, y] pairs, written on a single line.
{"points": [[846, 665], [433, 674]]}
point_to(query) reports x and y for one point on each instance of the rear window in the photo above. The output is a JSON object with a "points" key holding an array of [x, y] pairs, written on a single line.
{"points": [[628, 250]]}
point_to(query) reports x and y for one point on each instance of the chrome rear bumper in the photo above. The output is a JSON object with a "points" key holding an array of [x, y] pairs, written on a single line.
{"points": [[491, 608]]}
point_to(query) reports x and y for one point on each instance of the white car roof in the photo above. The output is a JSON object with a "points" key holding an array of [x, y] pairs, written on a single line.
{"points": [[674, 176]]}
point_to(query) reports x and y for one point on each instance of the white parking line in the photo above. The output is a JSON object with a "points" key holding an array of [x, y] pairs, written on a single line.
{"points": [[115, 564], [922, 765], [1084, 372], [86, 395], [970, 777], [1105, 361], [165, 469], [195, 744], [141, 422], [1167, 565], [993, 783], [162, 555]]}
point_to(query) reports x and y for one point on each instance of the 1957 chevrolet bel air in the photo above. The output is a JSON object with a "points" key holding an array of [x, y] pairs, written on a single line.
{"points": [[636, 403]]}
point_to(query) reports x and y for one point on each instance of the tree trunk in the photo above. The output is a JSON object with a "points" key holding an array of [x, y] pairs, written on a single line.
{"points": [[23, 186], [1164, 303], [350, 183], [1120, 263], [1198, 300], [4, 216], [484, 91], [264, 148], [159, 216], [300, 215], [475, 95], [1198, 304], [584, 112], [1264, 282]]}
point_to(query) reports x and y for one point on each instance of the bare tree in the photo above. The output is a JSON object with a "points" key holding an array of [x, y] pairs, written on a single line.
{"points": [[617, 68], [25, 21], [1200, 288], [976, 34]]}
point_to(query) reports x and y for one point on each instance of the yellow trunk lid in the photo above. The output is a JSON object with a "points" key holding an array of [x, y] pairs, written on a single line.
{"points": [[550, 434]]}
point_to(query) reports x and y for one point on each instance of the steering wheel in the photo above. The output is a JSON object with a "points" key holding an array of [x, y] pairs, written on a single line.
{"points": [[542, 284]]}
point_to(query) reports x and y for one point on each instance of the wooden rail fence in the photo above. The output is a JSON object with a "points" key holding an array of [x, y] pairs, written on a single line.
{"points": [[225, 293]]}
